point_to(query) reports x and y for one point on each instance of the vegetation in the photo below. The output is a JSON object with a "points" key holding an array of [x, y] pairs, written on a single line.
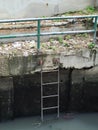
{"points": [[86, 11], [60, 39], [91, 45], [68, 37], [85, 35], [90, 9], [66, 44]]}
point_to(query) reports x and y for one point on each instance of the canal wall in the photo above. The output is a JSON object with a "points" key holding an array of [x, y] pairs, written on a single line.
{"points": [[39, 8], [20, 81], [20, 76]]}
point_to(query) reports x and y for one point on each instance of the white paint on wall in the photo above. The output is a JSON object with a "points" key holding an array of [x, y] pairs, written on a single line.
{"points": [[39, 8]]}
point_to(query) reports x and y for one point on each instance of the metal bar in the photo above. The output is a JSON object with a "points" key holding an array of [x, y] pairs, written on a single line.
{"points": [[50, 96], [16, 36], [58, 93], [46, 108], [67, 32], [69, 17], [95, 28], [47, 18], [43, 34], [41, 95], [50, 83], [38, 35]]}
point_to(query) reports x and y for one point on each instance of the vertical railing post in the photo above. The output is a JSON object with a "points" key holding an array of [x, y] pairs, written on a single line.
{"points": [[95, 29], [38, 34]]}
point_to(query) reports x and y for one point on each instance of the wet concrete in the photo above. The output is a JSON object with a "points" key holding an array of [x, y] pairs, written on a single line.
{"points": [[87, 121]]}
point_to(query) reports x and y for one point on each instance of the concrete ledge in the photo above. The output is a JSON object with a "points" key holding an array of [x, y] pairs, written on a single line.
{"points": [[20, 65]]}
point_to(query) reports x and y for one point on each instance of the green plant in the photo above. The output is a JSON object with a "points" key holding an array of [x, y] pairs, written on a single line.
{"points": [[57, 20], [83, 35], [68, 37], [60, 39], [90, 9], [80, 12], [91, 45], [87, 10], [1, 44], [43, 16], [43, 45], [51, 40], [70, 12], [52, 48], [66, 44]]}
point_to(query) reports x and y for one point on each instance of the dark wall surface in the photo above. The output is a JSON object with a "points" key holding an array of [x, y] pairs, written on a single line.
{"points": [[20, 96]]}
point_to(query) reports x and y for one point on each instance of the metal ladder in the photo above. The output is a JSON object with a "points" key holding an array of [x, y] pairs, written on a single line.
{"points": [[43, 97]]}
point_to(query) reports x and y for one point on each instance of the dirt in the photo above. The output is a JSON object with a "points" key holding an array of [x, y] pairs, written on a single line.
{"points": [[56, 44]]}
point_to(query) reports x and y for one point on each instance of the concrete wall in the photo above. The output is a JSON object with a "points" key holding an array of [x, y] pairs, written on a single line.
{"points": [[38, 8], [97, 3], [20, 95]]}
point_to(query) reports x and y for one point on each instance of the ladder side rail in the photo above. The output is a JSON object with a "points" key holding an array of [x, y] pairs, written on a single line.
{"points": [[41, 95]]}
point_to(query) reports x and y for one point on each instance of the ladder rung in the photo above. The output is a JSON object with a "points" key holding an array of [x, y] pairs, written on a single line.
{"points": [[47, 71], [46, 108], [50, 83], [56, 95]]}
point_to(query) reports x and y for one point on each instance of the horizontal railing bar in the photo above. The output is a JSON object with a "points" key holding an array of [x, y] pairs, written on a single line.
{"points": [[47, 18], [17, 36], [66, 32], [44, 34]]}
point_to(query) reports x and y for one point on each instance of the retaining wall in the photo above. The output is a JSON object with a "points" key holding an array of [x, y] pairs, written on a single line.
{"points": [[39, 8]]}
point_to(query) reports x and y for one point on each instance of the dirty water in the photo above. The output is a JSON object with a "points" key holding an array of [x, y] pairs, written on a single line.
{"points": [[86, 121]]}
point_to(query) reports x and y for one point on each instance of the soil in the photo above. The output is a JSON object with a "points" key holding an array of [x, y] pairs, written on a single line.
{"points": [[56, 44]]}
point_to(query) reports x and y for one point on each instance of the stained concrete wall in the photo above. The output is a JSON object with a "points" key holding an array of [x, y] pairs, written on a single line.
{"points": [[78, 93], [21, 65], [6, 98], [39, 8]]}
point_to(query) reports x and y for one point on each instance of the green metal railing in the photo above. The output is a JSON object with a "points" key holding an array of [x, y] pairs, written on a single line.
{"points": [[39, 34]]}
